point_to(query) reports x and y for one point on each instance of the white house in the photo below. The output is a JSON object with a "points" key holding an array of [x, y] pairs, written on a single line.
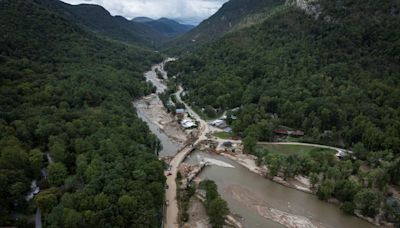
{"points": [[217, 122], [187, 123]]}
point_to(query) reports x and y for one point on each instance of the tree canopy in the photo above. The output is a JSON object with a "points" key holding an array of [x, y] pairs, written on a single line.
{"points": [[67, 93]]}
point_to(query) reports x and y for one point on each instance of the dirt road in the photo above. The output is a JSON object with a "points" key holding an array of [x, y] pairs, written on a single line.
{"points": [[171, 211], [306, 144], [170, 193]]}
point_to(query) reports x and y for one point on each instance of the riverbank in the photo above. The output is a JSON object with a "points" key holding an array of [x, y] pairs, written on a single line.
{"points": [[256, 204], [153, 109], [284, 208], [300, 183]]}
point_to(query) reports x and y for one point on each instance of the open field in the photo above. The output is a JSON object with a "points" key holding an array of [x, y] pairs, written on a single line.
{"points": [[292, 149], [223, 135]]}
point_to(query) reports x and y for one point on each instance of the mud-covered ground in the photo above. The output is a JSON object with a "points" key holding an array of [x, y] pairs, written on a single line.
{"points": [[197, 215], [152, 108], [251, 201]]}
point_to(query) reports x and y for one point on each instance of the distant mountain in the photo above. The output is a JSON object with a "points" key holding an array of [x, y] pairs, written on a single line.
{"points": [[232, 15], [99, 20], [165, 26], [142, 19]]}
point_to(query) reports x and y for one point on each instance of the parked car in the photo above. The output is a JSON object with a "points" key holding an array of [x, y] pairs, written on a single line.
{"points": [[169, 174]]}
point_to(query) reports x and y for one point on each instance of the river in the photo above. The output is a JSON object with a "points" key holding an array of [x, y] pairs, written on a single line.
{"points": [[259, 201], [248, 193], [169, 145]]}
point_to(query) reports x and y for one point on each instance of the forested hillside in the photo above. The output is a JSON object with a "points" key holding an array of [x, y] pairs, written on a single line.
{"points": [[334, 74], [233, 15], [165, 26], [66, 93], [99, 20], [313, 74]]}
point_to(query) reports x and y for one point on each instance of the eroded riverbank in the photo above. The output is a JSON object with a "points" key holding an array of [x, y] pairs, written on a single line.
{"points": [[151, 110], [264, 203], [259, 201]]}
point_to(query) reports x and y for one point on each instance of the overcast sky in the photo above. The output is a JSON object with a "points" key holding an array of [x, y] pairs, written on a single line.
{"points": [[187, 11]]}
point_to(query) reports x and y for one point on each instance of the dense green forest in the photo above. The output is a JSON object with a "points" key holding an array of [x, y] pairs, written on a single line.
{"points": [[216, 207], [340, 75], [165, 26], [68, 93], [232, 15], [334, 76], [100, 21]]}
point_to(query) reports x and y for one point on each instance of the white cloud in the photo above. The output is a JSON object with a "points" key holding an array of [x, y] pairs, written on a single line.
{"points": [[189, 11]]}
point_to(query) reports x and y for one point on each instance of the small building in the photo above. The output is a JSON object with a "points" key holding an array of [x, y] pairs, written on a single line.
{"points": [[281, 132], [217, 122], [221, 124], [228, 130], [341, 154], [227, 144], [187, 124], [297, 133]]}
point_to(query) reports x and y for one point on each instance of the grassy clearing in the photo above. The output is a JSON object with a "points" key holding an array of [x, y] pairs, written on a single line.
{"points": [[200, 113], [223, 135], [293, 149]]}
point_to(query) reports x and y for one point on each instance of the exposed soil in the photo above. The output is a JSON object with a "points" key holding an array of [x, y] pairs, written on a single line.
{"points": [[153, 109], [197, 215], [251, 201]]}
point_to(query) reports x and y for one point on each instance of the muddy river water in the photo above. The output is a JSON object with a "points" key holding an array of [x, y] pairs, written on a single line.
{"points": [[251, 196], [259, 201], [169, 145]]}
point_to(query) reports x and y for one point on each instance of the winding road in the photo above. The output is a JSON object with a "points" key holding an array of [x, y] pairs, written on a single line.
{"points": [[339, 150], [172, 210], [170, 193]]}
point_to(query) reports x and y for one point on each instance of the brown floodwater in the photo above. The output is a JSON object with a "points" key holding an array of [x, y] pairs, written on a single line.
{"points": [[246, 192], [259, 201], [169, 146]]}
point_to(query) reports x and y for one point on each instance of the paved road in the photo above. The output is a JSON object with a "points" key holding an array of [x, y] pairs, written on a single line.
{"points": [[38, 219], [305, 144], [170, 193], [204, 128]]}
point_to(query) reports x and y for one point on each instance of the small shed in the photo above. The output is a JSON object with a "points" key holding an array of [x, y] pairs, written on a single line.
{"points": [[217, 122], [297, 133], [228, 130], [227, 144], [187, 123]]}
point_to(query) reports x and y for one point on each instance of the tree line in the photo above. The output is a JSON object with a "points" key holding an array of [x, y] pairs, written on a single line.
{"points": [[336, 77], [67, 93]]}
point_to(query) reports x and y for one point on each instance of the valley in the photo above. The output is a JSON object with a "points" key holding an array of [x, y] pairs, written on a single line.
{"points": [[258, 201], [272, 113]]}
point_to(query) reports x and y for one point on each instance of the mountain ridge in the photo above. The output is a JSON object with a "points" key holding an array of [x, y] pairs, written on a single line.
{"points": [[230, 16], [142, 19], [166, 26], [98, 19]]}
